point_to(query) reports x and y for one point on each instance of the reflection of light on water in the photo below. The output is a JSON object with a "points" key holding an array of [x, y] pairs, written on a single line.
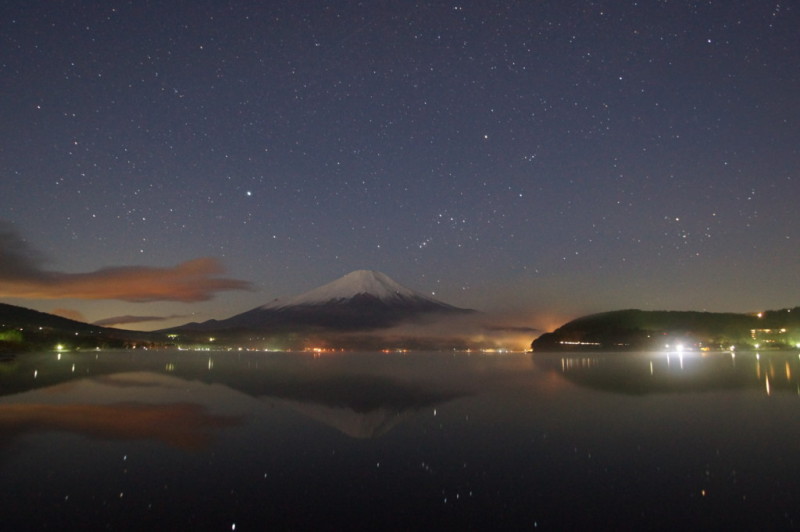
{"points": [[210, 363], [700, 370], [576, 363]]}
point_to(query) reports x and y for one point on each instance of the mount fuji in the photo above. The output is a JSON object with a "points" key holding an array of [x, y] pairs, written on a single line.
{"points": [[362, 300]]}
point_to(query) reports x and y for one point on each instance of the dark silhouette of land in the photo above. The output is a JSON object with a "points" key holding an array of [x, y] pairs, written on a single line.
{"points": [[644, 330], [23, 329]]}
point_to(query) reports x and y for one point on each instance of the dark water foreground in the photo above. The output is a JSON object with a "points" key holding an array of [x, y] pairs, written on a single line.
{"points": [[268, 441]]}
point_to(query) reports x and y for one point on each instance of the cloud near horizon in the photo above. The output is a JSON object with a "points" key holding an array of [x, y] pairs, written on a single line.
{"points": [[487, 330], [69, 313], [22, 276], [128, 319]]}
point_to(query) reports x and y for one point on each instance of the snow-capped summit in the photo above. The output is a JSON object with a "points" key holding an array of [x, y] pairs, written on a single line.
{"points": [[358, 283], [361, 300]]}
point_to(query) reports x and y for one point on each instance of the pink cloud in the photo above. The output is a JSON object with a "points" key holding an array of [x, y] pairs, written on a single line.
{"points": [[22, 277]]}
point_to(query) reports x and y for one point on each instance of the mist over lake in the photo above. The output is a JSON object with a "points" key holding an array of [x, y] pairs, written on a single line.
{"points": [[252, 440]]}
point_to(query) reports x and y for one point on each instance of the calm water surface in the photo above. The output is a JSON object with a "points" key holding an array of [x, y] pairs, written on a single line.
{"points": [[255, 441]]}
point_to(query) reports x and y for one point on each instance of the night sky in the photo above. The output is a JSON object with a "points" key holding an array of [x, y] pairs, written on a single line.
{"points": [[194, 159]]}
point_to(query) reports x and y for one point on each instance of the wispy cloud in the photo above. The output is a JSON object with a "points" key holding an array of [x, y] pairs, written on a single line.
{"points": [[128, 319], [22, 276], [69, 314]]}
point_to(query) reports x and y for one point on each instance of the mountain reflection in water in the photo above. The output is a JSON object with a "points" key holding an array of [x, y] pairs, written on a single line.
{"points": [[359, 404], [217, 441]]}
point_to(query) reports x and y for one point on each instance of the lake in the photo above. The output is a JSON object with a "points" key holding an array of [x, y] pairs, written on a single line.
{"points": [[179, 440]]}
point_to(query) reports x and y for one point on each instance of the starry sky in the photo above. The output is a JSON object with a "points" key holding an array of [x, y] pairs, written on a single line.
{"points": [[164, 162]]}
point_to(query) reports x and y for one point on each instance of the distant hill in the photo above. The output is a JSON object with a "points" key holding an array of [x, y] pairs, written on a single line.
{"points": [[12, 316], [22, 328], [639, 329]]}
